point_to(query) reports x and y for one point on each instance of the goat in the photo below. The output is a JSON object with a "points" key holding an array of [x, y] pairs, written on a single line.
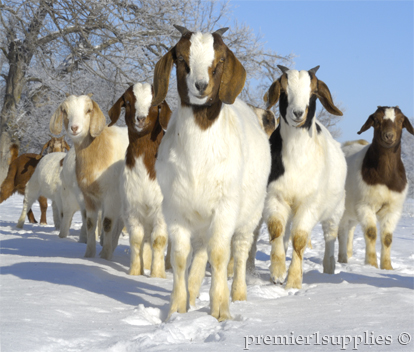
{"points": [[376, 186], [212, 167], [100, 153], [45, 182], [141, 195], [21, 169], [307, 178]]}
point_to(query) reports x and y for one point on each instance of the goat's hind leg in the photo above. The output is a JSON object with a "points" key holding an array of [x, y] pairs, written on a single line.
{"points": [[43, 210], [30, 196], [159, 238], [197, 270], [330, 231]]}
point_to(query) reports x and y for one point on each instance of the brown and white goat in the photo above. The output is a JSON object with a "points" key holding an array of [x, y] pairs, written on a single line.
{"points": [[20, 171], [141, 195], [100, 153], [376, 186], [212, 167]]}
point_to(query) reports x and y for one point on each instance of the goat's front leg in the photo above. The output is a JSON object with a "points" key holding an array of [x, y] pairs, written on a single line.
{"points": [[276, 216], [218, 249], [241, 245], [180, 260], [91, 219], [136, 242], [388, 218], [368, 221]]}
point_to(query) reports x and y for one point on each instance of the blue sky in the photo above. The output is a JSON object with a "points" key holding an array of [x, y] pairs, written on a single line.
{"points": [[364, 48]]}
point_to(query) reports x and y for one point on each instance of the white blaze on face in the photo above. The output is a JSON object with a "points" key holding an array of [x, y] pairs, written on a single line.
{"points": [[389, 114], [78, 117], [143, 98], [298, 92], [201, 58]]}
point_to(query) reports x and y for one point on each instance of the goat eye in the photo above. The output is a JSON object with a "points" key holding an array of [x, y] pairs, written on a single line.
{"points": [[222, 59], [180, 58], [214, 72]]}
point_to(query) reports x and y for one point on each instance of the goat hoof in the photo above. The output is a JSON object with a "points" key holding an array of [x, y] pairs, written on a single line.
{"points": [[19, 225], [160, 275], [294, 283], [329, 265], [63, 235], [342, 258], [223, 316]]}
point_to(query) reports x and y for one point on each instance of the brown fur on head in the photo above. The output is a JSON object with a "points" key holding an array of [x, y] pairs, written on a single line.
{"points": [[157, 116], [53, 145], [65, 113], [388, 123], [318, 89], [267, 119], [226, 75]]}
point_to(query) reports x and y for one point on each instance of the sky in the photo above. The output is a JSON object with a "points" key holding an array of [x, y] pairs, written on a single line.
{"points": [[364, 49]]}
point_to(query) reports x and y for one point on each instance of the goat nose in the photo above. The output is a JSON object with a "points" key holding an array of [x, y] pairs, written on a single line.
{"points": [[298, 113], [201, 86], [74, 128], [389, 135]]}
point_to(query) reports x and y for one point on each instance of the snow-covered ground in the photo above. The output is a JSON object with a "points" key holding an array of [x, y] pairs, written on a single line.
{"points": [[53, 299]]}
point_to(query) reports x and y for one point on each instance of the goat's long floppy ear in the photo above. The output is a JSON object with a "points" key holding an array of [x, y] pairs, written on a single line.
{"points": [[115, 111], [66, 145], [165, 114], [272, 96], [38, 156], [233, 79], [98, 121], [368, 123], [162, 73], [407, 124], [325, 98], [55, 124]]}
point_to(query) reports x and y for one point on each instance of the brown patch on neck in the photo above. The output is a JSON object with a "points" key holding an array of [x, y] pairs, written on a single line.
{"points": [[384, 167], [147, 146], [91, 157], [61, 162], [206, 115]]}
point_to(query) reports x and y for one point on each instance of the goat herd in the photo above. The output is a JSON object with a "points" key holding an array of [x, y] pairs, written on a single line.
{"points": [[204, 178]]}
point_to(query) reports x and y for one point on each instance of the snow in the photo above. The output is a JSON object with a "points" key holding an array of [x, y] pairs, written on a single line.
{"points": [[54, 299]]}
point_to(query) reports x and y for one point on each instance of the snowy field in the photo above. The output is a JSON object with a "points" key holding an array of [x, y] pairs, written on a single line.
{"points": [[53, 299]]}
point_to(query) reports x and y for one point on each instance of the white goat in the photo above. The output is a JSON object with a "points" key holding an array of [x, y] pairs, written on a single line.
{"points": [[141, 195], [212, 167], [45, 182], [376, 186], [100, 153], [307, 178]]}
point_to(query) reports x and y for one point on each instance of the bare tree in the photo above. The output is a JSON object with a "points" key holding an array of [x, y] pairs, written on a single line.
{"points": [[50, 47]]}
